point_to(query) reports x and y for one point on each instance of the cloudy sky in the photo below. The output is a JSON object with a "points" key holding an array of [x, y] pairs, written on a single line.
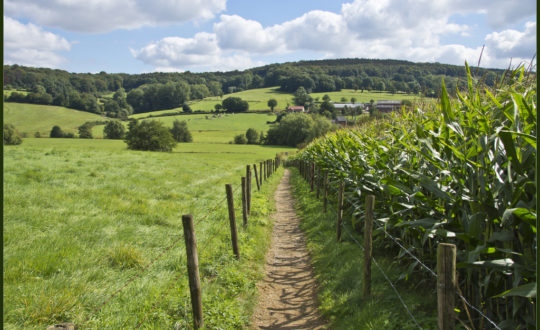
{"points": [[135, 36]]}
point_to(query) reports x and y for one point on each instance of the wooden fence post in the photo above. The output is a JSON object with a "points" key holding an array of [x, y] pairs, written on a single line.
{"points": [[318, 181], [193, 270], [248, 188], [232, 220], [261, 172], [256, 177], [325, 193], [446, 285], [340, 210], [368, 248], [244, 201]]}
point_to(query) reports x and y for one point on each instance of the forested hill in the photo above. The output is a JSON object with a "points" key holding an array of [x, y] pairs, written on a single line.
{"points": [[155, 91]]}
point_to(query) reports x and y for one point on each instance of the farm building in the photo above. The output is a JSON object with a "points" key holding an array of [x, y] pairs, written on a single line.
{"points": [[296, 108], [388, 106], [348, 105], [340, 120]]}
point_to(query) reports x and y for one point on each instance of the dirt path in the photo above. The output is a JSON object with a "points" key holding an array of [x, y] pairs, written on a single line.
{"points": [[288, 293]]}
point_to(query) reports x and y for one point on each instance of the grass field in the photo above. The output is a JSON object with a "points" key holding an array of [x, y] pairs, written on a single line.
{"points": [[84, 217], [32, 118]]}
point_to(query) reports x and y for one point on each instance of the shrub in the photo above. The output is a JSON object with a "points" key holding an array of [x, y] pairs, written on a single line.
{"points": [[252, 136], [85, 131], [186, 108], [180, 132], [297, 128], [56, 132], [114, 130], [11, 136], [149, 135], [235, 104], [240, 139]]}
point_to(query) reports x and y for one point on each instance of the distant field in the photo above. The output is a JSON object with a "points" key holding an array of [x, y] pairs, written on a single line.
{"points": [[363, 97], [32, 118], [256, 98]]}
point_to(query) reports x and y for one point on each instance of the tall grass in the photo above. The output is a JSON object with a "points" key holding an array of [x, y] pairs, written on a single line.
{"points": [[84, 217], [462, 172]]}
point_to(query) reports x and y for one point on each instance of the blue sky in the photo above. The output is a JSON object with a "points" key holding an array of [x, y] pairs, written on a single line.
{"points": [[135, 36]]}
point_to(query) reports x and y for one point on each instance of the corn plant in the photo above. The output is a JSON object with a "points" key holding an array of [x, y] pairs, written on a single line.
{"points": [[462, 171]]}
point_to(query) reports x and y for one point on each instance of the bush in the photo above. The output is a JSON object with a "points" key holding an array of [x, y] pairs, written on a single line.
{"points": [[114, 130], [252, 136], [297, 128], [180, 132], [85, 131], [11, 136], [240, 139], [149, 135], [186, 108], [235, 104], [56, 132]]}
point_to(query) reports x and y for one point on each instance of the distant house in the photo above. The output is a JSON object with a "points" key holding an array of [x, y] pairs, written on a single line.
{"points": [[348, 105], [296, 108], [388, 106], [340, 120]]}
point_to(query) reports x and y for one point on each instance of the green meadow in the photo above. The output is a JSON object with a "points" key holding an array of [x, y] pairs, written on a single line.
{"points": [[84, 219], [32, 118]]}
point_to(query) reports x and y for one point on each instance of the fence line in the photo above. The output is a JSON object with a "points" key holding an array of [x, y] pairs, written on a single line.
{"points": [[395, 240], [387, 279]]}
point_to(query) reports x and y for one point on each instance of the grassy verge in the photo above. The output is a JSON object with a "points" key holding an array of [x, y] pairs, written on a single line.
{"points": [[339, 266], [86, 218]]}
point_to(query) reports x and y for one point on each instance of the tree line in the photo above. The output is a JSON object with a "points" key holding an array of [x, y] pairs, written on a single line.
{"points": [[137, 93]]}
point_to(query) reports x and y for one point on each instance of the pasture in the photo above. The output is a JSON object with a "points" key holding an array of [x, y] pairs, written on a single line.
{"points": [[84, 217], [32, 118]]}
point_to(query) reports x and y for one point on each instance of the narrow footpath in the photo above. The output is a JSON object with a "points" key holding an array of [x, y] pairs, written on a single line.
{"points": [[288, 292]]}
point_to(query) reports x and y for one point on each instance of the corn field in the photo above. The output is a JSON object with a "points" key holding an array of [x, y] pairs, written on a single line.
{"points": [[462, 171]]}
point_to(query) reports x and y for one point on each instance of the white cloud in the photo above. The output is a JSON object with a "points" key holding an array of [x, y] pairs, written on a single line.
{"points": [[399, 29], [513, 43], [200, 53], [97, 16], [28, 44]]}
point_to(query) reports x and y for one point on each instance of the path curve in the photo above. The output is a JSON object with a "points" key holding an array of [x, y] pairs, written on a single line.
{"points": [[288, 292]]}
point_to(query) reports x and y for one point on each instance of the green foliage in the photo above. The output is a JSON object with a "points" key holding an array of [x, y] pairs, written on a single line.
{"points": [[301, 97], [252, 136], [114, 130], [186, 108], [272, 103], [150, 135], [464, 173], [85, 131], [296, 129], [235, 104], [180, 132], [56, 132], [11, 136], [240, 139]]}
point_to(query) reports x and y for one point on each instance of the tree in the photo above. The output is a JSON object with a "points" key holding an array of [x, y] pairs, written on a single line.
{"points": [[149, 135], [180, 131], [353, 100], [218, 107], [114, 130], [186, 108], [301, 97], [235, 104], [56, 132], [240, 139], [11, 136], [297, 129], [252, 136], [326, 98], [272, 103], [85, 131]]}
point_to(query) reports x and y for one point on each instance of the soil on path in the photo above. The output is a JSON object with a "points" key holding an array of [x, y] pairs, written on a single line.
{"points": [[288, 293]]}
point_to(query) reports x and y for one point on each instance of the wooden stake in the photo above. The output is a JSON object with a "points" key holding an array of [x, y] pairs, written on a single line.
{"points": [[312, 176], [368, 249], [446, 285], [325, 194], [232, 220], [256, 177], [248, 188], [193, 270], [244, 201]]}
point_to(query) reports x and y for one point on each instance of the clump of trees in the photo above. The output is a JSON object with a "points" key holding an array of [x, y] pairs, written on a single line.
{"points": [[149, 135], [114, 130], [234, 104], [250, 137], [298, 129], [11, 136], [180, 132]]}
